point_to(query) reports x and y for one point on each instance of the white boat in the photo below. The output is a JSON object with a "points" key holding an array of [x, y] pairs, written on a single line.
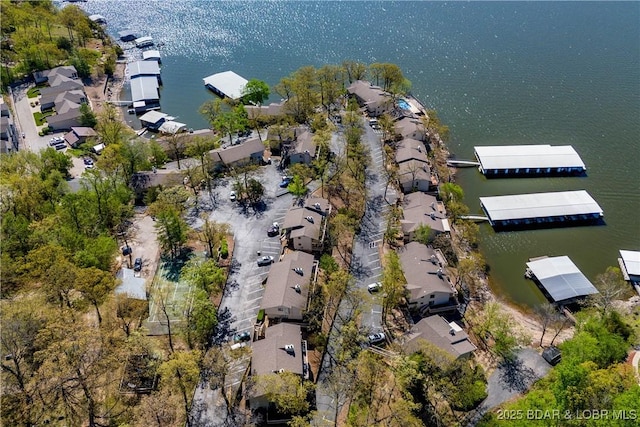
{"points": [[144, 41]]}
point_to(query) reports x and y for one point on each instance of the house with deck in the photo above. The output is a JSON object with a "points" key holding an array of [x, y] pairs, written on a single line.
{"points": [[447, 336], [287, 288], [420, 209], [250, 151], [282, 350], [372, 98], [305, 225], [429, 289]]}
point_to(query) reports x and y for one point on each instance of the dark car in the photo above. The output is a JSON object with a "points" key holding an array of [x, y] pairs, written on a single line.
{"points": [[88, 161], [60, 146], [274, 230], [137, 264], [242, 336], [126, 250], [285, 182], [265, 260]]}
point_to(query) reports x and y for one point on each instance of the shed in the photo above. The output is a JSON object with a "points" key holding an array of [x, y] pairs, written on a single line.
{"points": [[226, 84], [560, 279]]}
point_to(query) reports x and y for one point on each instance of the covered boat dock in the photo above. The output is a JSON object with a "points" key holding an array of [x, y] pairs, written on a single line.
{"points": [[529, 160], [560, 279], [537, 210], [226, 84], [629, 262]]}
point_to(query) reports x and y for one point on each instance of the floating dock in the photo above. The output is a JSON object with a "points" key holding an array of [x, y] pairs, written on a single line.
{"points": [[538, 210], [226, 84], [559, 279], [529, 160]]}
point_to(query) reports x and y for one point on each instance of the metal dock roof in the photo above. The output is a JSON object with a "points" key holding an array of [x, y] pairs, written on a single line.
{"points": [[528, 156], [144, 88], [539, 205], [226, 83], [631, 260], [561, 278]]}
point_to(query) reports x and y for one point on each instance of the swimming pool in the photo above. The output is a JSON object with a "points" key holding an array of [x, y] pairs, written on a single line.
{"points": [[403, 104]]}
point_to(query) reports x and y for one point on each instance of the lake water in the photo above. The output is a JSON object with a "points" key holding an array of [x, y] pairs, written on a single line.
{"points": [[497, 73]]}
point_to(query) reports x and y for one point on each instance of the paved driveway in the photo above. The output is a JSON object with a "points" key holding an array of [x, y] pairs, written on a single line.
{"points": [[243, 294], [26, 123], [512, 379]]}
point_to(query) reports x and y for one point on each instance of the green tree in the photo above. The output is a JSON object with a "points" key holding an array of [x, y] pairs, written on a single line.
{"points": [[297, 187], [181, 374], [255, 190], [423, 234], [87, 117], [202, 318], [95, 286], [205, 275], [255, 92], [393, 281], [172, 231], [288, 391]]}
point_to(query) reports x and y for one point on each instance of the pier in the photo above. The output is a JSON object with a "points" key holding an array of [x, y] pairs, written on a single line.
{"points": [[475, 218], [542, 210], [528, 160], [226, 84]]}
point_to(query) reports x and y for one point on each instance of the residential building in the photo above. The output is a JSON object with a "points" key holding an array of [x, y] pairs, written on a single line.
{"points": [[411, 149], [375, 100], [428, 287], [280, 351], [78, 135], [55, 100], [447, 336], [67, 116], [250, 151], [408, 127], [303, 148], [287, 288], [304, 225], [271, 110], [421, 209], [415, 175], [68, 71], [8, 135]]}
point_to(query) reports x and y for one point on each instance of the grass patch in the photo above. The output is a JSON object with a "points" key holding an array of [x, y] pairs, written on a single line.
{"points": [[40, 117], [77, 152], [33, 92]]}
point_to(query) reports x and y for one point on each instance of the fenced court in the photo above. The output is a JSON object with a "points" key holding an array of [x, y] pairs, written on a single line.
{"points": [[167, 285]]}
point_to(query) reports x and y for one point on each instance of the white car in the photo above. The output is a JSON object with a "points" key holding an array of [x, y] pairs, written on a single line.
{"points": [[232, 196], [374, 287], [376, 338]]}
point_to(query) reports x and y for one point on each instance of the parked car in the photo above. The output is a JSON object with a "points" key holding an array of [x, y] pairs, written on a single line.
{"points": [[285, 182], [376, 338], [137, 264], [242, 336], [274, 230], [374, 287], [55, 141], [60, 146], [232, 196], [265, 260], [87, 161]]}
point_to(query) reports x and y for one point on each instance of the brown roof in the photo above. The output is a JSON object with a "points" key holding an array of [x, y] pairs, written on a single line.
{"points": [[273, 109], [410, 149], [317, 204], [269, 354], [280, 289], [406, 126], [83, 131], [243, 151], [420, 266], [413, 170], [368, 93], [296, 219], [304, 142], [449, 337], [421, 208]]}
